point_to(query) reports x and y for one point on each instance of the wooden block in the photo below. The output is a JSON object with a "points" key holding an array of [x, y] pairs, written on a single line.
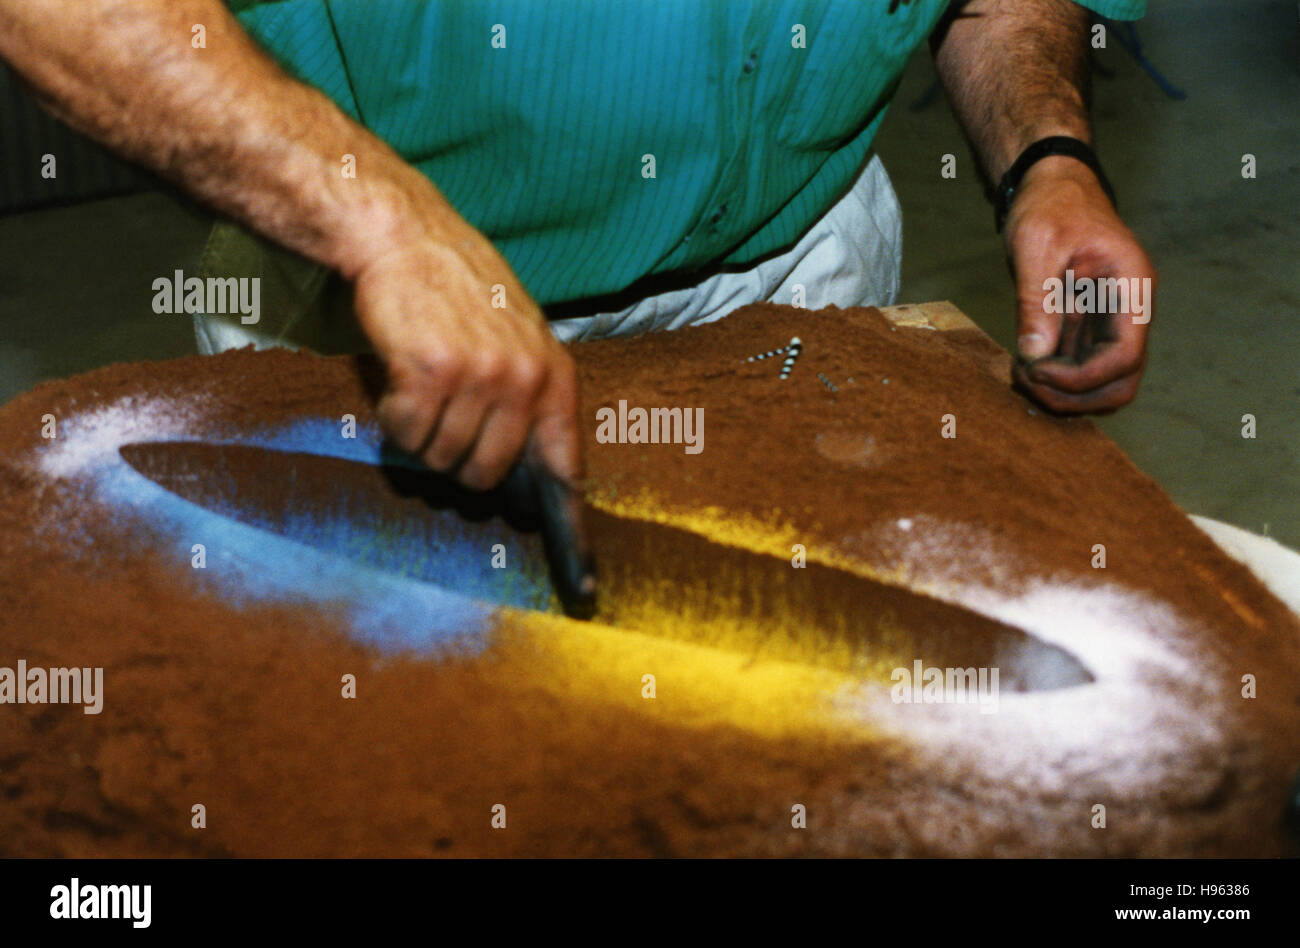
{"points": [[939, 314]]}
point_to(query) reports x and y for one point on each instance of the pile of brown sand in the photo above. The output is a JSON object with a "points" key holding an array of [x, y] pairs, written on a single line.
{"points": [[236, 705]]}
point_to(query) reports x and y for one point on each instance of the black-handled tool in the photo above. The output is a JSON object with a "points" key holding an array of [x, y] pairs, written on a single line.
{"points": [[558, 506], [531, 487]]}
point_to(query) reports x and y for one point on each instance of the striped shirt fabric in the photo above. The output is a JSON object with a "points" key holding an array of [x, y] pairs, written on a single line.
{"points": [[598, 142]]}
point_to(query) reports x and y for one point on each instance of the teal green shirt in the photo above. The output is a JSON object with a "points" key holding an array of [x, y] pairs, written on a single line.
{"points": [[596, 142]]}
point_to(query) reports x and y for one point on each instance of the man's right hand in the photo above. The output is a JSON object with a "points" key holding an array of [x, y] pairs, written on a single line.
{"points": [[470, 385]]}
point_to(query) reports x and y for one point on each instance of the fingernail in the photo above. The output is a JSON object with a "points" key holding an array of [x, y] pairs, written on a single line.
{"points": [[1033, 346]]}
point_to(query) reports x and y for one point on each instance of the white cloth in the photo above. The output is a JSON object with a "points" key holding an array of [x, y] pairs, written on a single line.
{"points": [[852, 256], [1274, 565], [219, 335]]}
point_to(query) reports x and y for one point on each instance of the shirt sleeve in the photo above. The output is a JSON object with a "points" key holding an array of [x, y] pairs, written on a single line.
{"points": [[1116, 9]]}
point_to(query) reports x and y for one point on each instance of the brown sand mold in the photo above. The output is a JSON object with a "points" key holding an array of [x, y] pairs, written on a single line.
{"points": [[292, 781], [640, 556]]}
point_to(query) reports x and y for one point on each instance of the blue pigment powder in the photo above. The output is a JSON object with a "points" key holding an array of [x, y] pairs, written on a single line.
{"points": [[427, 585]]}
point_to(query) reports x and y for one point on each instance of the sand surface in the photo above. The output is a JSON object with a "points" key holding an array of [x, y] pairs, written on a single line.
{"points": [[1122, 686]]}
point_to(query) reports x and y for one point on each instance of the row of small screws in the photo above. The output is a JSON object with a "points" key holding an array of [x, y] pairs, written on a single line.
{"points": [[767, 355], [793, 349]]}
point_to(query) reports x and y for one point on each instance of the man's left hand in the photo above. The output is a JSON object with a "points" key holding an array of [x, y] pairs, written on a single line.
{"points": [[1061, 219]]}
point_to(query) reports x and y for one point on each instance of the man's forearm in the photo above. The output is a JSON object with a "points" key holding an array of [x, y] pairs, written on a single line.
{"points": [[1015, 71], [223, 122]]}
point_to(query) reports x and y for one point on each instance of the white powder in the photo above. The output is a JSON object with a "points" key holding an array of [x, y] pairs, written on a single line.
{"points": [[89, 439], [1147, 703]]}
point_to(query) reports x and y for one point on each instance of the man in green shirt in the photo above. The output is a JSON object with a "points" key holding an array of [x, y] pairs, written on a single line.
{"points": [[459, 165]]}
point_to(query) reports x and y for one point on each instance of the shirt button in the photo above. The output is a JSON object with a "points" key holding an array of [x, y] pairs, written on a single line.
{"points": [[751, 63], [717, 215]]}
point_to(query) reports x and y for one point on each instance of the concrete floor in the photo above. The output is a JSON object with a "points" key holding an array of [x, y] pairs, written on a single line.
{"points": [[1224, 339], [75, 281]]}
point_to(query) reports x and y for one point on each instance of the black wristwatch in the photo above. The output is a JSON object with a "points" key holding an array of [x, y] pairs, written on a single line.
{"points": [[1005, 192]]}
